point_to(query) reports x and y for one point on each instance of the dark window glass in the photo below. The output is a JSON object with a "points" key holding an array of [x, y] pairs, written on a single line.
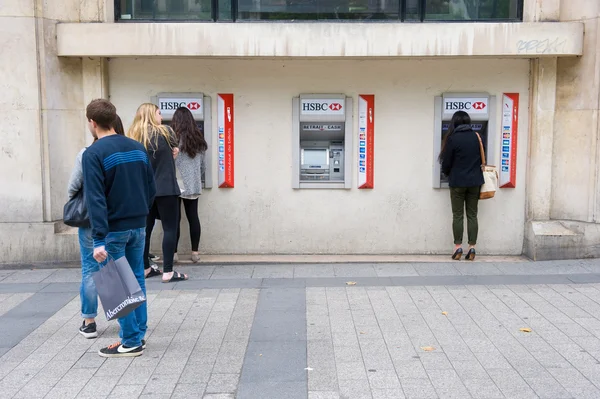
{"points": [[318, 9], [310, 10], [465, 10], [165, 9], [413, 10]]}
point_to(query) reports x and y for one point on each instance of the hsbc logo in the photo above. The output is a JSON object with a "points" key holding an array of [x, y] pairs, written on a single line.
{"points": [[168, 105], [171, 105], [321, 106], [465, 105]]}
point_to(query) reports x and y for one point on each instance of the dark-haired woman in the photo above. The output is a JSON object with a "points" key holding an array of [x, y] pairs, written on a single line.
{"points": [[190, 167], [461, 162]]}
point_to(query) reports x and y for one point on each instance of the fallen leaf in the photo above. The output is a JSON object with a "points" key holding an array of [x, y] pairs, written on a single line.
{"points": [[350, 282], [445, 313], [260, 354], [428, 348], [362, 332], [527, 330]]}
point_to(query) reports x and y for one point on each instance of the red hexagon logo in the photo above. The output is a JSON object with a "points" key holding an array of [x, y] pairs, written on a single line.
{"points": [[479, 105], [193, 106], [335, 106]]}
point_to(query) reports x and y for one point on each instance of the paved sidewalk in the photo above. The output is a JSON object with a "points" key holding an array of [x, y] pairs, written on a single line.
{"points": [[407, 330]]}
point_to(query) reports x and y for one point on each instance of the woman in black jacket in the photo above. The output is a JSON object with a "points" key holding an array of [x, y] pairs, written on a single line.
{"points": [[461, 162], [161, 144]]}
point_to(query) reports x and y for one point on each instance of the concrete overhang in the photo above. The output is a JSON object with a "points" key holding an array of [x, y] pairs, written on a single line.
{"points": [[321, 39]]}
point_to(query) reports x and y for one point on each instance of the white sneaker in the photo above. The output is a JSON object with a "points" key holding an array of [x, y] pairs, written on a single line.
{"points": [[195, 258]]}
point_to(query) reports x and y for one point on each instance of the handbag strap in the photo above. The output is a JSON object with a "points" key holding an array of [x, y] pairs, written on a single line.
{"points": [[481, 151]]}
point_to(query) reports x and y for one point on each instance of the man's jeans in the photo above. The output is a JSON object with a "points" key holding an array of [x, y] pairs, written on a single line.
{"points": [[87, 292], [130, 243]]}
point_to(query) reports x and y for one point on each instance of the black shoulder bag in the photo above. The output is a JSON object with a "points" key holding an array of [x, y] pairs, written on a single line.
{"points": [[75, 212]]}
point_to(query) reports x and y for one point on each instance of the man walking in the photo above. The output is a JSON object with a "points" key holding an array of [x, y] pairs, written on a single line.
{"points": [[119, 188]]}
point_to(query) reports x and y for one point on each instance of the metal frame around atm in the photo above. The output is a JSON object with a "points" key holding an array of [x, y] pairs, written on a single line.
{"points": [[208, 136], [348, 144], [437, 128]]}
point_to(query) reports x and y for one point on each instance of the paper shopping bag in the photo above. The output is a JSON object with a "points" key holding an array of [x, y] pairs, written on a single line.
{"points": [[118, 289]]}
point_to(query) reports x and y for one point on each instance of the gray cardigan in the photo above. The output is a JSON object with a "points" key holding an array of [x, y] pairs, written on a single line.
{"points": [[189, 174], [76, 179]]}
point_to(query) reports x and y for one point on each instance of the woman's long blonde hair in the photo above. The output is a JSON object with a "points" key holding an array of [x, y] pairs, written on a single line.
{"points": [[146, 129]]}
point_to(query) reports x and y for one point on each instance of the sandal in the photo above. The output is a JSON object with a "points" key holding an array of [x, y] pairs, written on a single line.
{"points": [[154, 271], [176, 277], [457, 254]]}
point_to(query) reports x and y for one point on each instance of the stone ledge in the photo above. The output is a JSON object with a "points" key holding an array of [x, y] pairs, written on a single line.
{"points": [[561, 239], [321, 39]]}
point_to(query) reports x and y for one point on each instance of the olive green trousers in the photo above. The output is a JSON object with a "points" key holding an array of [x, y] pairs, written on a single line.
{"points": [[464, 198]]}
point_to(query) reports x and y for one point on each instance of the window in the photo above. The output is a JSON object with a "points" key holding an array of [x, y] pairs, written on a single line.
{"points": [[311, 10], [476, 10], [318, 9], [186, 10]]}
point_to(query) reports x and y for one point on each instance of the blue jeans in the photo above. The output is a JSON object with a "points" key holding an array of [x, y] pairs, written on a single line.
{"points": [[87, 292], [130, 243]]}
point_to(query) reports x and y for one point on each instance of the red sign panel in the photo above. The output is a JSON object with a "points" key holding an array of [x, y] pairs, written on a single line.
{"points": [[366, 140], [510, 134], [225, 122]]}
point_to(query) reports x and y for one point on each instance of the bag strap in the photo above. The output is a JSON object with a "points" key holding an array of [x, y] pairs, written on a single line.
{"points": [[481, 151]]}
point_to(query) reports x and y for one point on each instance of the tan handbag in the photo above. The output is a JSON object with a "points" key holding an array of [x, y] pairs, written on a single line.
{"points": [[490, 175]]}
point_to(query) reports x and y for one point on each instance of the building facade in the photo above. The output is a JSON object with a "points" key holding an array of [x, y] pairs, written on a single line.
{"points": [[283, 89]]}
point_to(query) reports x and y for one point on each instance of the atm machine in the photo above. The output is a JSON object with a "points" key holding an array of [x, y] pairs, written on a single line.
{"points": [[481, 107], [322, 141], [200, 106]]}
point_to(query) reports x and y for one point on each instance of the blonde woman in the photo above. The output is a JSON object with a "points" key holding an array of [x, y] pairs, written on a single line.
{"points": [[161, 145]]}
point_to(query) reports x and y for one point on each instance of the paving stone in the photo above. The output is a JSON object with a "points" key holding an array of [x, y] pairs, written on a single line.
{"points": [[63, 392], [435, 361], [136, 375], [511, 384], [196, 374], [384, 379], [126, 391], [418, 388], [323, 395], [185, 391], [33, 390], [223, 383], [114, 367], [548, 388], [97, 387], [354, 390], [387, 394], [161, 384], [483, 388], [351, 371]]}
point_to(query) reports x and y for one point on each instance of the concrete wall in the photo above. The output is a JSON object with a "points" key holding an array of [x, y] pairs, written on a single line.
{"points": [[322, 39], [576, 164], [403, 214], [42, 126]]}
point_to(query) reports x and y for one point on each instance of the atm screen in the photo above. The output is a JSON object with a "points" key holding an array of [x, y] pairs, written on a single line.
{"points": [[315, 156]]}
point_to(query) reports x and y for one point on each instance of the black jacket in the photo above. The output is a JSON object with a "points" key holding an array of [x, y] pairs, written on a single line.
{"points": [[160, 153], [461, 160]]}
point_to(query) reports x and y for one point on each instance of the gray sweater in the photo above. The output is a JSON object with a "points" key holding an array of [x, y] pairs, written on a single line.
{"points": [[76, 180], [189, 174]]}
